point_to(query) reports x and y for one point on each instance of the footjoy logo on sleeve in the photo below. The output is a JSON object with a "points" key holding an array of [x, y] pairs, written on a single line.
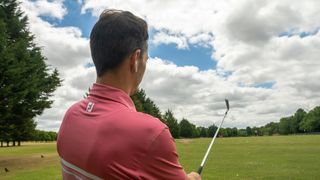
{"points": [[90, 106]]}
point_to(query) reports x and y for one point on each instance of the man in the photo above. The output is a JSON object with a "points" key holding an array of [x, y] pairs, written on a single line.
{"points": [[103, 136]]}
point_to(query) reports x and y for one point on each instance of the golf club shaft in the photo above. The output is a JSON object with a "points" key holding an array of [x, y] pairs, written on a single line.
{"points": [[213, 139]]}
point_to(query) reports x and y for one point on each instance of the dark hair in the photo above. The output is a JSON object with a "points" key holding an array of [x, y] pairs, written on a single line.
{"points": [[114, 37]]}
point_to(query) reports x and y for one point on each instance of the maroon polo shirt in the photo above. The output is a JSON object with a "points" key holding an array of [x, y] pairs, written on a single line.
{"points": [[104, 137]]}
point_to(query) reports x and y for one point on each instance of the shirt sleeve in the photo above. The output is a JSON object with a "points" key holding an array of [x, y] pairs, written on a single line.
{"points": [[161, 161]]}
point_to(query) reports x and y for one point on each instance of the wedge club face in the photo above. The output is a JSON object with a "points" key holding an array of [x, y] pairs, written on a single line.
{"points": [[213, 139]]}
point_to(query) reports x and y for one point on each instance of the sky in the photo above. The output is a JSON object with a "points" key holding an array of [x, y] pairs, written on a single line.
{"points": [[261, 55]]}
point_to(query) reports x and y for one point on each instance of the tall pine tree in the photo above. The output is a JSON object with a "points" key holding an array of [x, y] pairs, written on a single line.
{"points": [[185, 128], [146, 105], [26, 82], [172, 124]]}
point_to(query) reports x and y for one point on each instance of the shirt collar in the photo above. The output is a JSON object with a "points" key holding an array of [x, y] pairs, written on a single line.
{"points": [[105, 92]]}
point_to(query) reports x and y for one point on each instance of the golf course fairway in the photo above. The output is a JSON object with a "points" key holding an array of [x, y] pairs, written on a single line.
{"points": [[267, 157]]}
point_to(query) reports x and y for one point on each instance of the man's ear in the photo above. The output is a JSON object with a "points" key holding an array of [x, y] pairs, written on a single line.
{"points": [[134, 60]]}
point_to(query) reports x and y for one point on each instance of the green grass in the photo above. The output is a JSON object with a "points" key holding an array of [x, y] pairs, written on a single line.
{"points": [[276, 157], [28, 148], [25, 162]]}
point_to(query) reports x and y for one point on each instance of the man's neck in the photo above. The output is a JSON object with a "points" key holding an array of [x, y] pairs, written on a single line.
{"points": [[116, 80]]}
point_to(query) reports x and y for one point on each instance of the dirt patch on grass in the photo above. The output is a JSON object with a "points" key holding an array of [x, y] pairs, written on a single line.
{"points": [[186, 141]]}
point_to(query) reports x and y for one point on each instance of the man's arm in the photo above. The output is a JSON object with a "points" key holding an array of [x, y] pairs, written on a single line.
{"points": [[161, 161]]}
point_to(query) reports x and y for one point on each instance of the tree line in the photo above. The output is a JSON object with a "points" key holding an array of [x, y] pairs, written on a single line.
{"points": [[37, 136], [300, 122]]}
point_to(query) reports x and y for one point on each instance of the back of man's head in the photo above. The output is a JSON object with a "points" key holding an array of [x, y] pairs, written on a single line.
{"points": [[114, 37]]}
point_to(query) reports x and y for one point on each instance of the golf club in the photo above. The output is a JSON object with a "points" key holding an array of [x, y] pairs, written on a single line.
{"points": [[214, 137]]}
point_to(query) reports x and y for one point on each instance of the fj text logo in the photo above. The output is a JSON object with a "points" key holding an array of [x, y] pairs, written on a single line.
{"points": [[90, 106]]}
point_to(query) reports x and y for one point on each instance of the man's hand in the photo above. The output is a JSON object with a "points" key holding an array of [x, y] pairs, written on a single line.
{"points": [[194, 176]]}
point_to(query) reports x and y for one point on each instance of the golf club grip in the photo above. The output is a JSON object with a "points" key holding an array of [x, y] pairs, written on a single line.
{"points": [[200, 169]]}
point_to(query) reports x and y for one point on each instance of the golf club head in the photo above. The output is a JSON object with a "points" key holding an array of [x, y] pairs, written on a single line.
{"points": [[227, 104]]}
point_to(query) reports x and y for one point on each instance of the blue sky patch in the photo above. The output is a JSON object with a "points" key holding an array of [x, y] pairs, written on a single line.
{"points": [[194, 56], [265, 85], [225, 73], [89, 65], [74, 18], [300, 34]]}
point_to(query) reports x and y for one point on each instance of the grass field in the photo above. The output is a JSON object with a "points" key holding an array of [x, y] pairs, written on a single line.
{"points": [[276, 157]]}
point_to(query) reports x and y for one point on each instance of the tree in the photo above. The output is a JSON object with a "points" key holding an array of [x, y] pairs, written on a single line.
{"points": [[311, 122], [25, 79], [185, 128], [257, 131], [223, 132], [242, 132], [295, 121], [234, 132], [271, 128], [249, 131], [266, 131], [229, 132], [195, 131], [138, 99], [172, 123], [151, 108], [211, 130], [284, 125], [203, 131], [40, 135], [146, 105]]}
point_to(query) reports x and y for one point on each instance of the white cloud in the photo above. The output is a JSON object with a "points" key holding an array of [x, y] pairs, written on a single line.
{"points": [[245, 38], [182, 42], [199, 95], [164, 38], [54, 9], [246, 41], [64, 47]]}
